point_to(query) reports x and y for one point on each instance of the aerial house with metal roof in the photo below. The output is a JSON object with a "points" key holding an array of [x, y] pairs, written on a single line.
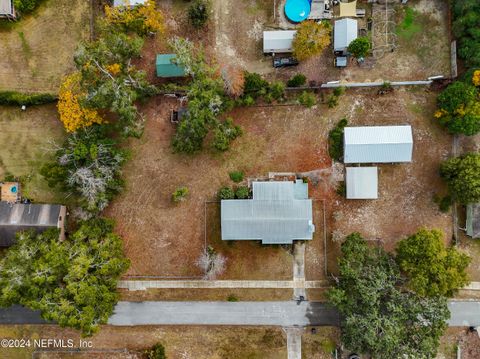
{"points": [[280, 41], [344, 32], [17, 217], [378, 144], [279, 213]]}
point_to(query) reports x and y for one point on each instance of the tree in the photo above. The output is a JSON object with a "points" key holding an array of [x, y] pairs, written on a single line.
{"points": [[72, 282], [459, 108], [226, 193], [359, 47], [311, 39], [432, 269], [72, 114], [110, 81], [88, 164], [142, 19], [199, 12], [156, 352], [297, 80], [465, 27], [462, 175], [212, 263], [234, 80], [242, 192], [205, 103], [335, 140], [378, 317]]}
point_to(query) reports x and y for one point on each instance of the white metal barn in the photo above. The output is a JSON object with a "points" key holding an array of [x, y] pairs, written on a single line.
{"points": [[344, 32], [378, 144], [278, 41], [362, 182]]}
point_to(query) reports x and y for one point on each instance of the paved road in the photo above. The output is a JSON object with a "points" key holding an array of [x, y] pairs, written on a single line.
{"points": [[20, 315], [223, 313], [464, 313]]}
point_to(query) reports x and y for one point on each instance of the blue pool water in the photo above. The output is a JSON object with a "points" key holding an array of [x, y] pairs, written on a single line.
{"points": [[14, 189], [297, 10]]}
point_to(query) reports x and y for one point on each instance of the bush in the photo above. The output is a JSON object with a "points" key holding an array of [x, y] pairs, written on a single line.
{"points": [[224, 134], [236, 176], [25, 6], [339, 91], [226, 193], [335, 140], [242, 192], [180, 194], [359, 47], [199, 12], [12, 98], [297, 80], [232, 298], [444, 203], [156, 352], [307, 99], [255, 86], [276, 90], [332, 101], [342, 189]]}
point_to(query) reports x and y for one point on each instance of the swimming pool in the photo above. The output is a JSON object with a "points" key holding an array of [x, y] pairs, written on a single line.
{"points": [[297, 10]]}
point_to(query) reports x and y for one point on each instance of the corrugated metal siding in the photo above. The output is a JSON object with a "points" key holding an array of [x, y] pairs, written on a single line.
{"points": [[278, 220], [362, 182], [278, 41], [378, 144], [473, 220], [344, 32], [165, 67]]}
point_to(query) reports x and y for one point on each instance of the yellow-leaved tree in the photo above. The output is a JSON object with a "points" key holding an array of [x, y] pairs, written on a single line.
{"points": [[142, 19], [311, 39], [72, 114], [476, 78]]}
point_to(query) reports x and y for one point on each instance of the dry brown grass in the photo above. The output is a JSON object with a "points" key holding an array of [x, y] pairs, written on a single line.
{"points": [[38, 50], [190, 342]]}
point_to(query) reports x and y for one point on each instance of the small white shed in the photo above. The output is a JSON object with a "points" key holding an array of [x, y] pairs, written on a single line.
{"points": [[278, 41], [344, 32], [130, 3], [378, 144], [362, 182]]}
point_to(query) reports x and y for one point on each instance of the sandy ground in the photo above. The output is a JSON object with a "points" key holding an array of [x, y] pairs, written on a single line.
{"points": [[37, 51]]}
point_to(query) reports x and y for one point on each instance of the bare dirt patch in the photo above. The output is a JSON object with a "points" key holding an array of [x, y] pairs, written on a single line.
{"points": [[37, 51]]}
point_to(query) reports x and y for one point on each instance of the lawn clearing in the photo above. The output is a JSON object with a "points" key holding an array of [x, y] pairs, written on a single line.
{"points": [[187, 342], [26, 138], [165, 239], [37, 51], [320, 342]]}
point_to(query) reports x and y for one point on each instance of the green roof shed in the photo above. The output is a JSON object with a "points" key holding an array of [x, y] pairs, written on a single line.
{"points": [[167, 68]]}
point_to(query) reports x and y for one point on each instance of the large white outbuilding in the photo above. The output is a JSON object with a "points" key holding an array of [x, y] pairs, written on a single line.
{"points": [[362, 182], [276, 42], [378, 144]]}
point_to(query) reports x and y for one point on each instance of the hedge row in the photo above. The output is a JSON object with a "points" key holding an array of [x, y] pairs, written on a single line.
{"points": [[12, 98]]}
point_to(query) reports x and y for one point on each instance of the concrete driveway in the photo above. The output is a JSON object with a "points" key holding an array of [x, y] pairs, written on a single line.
{"points": [[464, 313], [286, 313]]}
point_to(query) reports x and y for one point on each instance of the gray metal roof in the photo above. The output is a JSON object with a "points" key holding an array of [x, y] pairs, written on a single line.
{"points": [[279, 213], [278, 41], [344, 32], [378, 144], [473, 220], [6, 7], [18, 217], [362, 182]]}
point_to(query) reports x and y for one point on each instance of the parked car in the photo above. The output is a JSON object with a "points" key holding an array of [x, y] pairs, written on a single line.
{"points": [[284, 61]]}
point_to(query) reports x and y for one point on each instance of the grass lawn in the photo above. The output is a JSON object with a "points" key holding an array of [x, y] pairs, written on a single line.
{"points": [[320, 342], [36, 52], [26, 138]]}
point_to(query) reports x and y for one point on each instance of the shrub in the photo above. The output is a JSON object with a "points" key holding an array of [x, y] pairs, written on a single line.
{"points": [[276, 90], [232, 298], [156, 352], [226, 193], [332, 101], [12, 98], [462, 175], [444, 203], [199, 12], [224, 134], [335, 140], [297, 80], [255, 86], [359, 47], [339, 91], [25, 6], [236, 176], [307, 99], [180, 194], [242, 192], [342, 189]]}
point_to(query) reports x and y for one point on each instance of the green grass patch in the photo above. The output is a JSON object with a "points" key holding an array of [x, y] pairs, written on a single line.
{"points": [[410, 25]]}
